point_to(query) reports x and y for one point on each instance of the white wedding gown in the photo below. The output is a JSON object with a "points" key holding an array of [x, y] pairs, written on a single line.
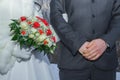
{"points": [[11, 68]]}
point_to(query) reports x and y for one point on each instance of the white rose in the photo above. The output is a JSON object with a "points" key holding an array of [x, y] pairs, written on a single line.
{"points": [[24, 25], [41, 37], [33, 30], [31, 36], [37, 34]]}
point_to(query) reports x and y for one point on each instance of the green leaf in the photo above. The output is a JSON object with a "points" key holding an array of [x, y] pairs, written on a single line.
{"points": [[15, 37], [15, 21]]}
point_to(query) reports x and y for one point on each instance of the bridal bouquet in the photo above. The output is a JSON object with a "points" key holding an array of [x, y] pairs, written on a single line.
{"points": [[33, 32]]}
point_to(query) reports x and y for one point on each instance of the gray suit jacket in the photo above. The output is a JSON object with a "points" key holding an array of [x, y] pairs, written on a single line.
{"points": [[87, 20]]}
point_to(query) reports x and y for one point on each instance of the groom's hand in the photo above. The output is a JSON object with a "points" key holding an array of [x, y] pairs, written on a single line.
{"points": [[83, 48], [95, 49]]}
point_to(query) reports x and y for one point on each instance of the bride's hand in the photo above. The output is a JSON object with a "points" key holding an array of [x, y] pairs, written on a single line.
{"points": [[21, 53]]}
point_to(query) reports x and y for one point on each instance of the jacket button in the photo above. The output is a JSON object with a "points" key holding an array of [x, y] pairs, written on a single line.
{"points": [[93, 1], [93, 31], [93, 16]]}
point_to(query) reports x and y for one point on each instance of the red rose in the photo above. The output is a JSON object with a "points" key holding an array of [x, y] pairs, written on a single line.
{"points": [[40, 31], [43, 20], [54, 39], [45, 42], [38, 18], [36, 25], [23, 18], [48, 32], [23, 32]]}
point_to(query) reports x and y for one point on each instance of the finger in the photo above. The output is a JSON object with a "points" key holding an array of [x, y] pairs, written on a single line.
{"points": [[96, 57], [92, 49], [86, 54], [92, 55], [90, 44], [83, 47], [81, 52], [91, 52], [89, 55]]}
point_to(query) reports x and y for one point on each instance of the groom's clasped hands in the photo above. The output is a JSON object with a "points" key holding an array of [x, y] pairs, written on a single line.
{"points": [[94, 49]]}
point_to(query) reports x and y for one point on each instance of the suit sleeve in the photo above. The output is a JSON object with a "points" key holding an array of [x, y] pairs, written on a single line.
{"points": [[71, 39], [114, 29]]}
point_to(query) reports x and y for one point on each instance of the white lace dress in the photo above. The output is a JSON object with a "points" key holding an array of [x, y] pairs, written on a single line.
{"points": [[38, 67]]}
